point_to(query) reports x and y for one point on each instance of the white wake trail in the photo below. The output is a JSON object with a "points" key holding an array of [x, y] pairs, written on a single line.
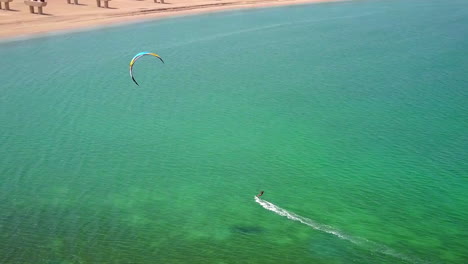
{"points": [[290, 215], [372, 246]]}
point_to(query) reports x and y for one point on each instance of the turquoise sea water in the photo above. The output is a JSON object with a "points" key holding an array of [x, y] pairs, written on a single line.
{"points": [[352, 117]]}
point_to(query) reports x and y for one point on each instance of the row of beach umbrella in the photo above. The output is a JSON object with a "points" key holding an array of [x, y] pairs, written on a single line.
{"points": [[41, 3]]}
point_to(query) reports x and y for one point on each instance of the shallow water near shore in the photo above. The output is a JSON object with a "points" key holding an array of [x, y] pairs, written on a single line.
{"points": [[350, 116]]}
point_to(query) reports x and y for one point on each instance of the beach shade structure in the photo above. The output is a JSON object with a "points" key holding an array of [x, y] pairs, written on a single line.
{"points": [[74, 2], [33, 4], [106, 3], [160, 1], [7, 4]]}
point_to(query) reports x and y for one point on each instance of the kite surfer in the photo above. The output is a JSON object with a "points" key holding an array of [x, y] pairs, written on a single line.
{"points": [[260, 194]]}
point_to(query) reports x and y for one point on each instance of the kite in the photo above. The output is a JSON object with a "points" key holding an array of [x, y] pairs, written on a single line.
{"points": [[139, 55]]}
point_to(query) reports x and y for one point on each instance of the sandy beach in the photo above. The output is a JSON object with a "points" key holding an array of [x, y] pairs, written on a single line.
{"points": [[59, 15]]}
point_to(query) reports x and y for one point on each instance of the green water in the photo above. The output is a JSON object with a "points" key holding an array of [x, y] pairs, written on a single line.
{"points": [[351, 116]]}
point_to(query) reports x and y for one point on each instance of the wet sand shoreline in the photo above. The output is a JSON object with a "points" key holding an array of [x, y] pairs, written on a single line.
{"points": [[62, 17]]}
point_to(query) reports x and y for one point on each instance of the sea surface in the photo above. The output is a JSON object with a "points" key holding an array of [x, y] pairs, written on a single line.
{"points": [[351, 116]]}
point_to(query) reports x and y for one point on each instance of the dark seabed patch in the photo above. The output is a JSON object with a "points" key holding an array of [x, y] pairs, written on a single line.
{"points": [[247, 230]]}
